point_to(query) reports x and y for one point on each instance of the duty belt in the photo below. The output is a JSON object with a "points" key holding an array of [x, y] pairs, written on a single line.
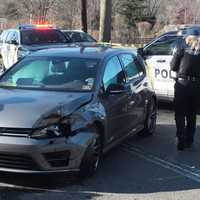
{"points": [[188, 78]]}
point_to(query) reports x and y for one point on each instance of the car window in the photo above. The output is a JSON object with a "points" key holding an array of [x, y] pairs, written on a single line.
{"points": [[87, 38], [9, 37], [3, 36], [76, 37], [130, 66], [15, 36], [52, 73], [113, 73], [140, 67], [163, 46], [42, 36]]}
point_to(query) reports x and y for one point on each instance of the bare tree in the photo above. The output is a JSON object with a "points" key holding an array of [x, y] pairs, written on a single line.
{"points": [[105, 20], [37, 9], [84, 15]]}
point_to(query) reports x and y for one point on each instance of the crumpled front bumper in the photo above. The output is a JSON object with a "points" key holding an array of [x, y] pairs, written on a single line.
{"points": [[26, 155]]}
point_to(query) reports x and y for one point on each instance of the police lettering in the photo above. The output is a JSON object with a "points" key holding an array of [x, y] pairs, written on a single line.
{"points": [[163, 73]]}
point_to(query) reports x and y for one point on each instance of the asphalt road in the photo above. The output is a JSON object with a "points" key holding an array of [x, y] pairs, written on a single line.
{"points": [[140, 168]]}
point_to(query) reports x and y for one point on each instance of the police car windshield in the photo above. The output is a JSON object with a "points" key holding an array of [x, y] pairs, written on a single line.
{"points": [[55, 73], [42, 36]]}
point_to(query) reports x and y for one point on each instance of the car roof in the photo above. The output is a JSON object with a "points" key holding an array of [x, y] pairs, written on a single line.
{"points": [[74, 31], [24, 27], [162, 36], [92, 52]]}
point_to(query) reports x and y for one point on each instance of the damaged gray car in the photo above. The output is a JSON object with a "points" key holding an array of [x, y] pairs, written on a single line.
{"points": [[60, 109]]}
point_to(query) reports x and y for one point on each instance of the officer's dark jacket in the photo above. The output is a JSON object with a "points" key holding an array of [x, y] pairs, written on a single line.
{"points": [[186, 61]]}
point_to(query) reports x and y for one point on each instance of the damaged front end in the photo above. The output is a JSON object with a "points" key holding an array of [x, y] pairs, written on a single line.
{"points": [[56, 143]]}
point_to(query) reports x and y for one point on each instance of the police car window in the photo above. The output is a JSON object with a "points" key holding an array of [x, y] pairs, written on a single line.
{"points": [[15, 36], [130, 65], [162, 47], [87, 38], [3, 36], [40, 36], [9, 37], [113, 73], [76, 37]]}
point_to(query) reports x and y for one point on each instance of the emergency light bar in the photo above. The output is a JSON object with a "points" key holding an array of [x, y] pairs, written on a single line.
{"points": [[31, 26], [44, 26]]}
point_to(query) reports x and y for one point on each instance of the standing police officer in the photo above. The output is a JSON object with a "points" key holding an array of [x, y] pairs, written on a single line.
{"points": [[186, 63]]}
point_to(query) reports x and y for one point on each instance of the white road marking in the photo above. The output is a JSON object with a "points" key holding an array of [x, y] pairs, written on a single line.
{"points": [[186, 171], [36, 189]]}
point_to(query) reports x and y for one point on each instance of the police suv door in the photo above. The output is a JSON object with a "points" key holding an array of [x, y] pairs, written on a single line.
{"points": [[158, 56]]}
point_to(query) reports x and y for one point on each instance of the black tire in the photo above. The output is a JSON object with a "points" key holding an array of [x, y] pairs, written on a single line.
{"points": [[150, 121], [91, 159], [2, 67]]}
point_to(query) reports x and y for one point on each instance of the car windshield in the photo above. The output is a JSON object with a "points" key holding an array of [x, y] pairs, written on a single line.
{"points": [[79, 37], [77, 74], [42, 36]]}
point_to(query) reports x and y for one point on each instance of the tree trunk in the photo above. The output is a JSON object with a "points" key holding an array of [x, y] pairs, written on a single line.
{"points": [[105, 20], [84, 15]]}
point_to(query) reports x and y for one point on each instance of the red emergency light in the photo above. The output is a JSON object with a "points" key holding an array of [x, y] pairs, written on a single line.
{"points": [[44, 26]]}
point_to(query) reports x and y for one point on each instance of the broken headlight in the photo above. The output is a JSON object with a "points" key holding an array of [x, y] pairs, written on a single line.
{"points": [[61, 129], [48, 132]]}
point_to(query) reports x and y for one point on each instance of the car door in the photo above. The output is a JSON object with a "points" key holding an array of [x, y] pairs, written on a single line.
{"points": [[116, 105], [158, 56], [135, 74]]}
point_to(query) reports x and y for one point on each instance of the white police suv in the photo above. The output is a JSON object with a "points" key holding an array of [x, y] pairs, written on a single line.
{"points": [[19, 42], [158, 55]]}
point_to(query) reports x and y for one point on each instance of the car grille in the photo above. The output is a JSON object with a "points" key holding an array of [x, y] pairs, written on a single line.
{"points": [[17, 162], [16, 132]]}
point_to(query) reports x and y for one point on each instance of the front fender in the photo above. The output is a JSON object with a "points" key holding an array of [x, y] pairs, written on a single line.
{"points": [[87, 116]]}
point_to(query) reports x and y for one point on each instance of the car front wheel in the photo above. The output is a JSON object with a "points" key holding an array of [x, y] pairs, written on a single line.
{"points": [[150, 121], [91, 159]]}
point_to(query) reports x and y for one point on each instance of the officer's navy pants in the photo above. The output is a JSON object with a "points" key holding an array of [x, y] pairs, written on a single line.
{"points": [[186, 104]]}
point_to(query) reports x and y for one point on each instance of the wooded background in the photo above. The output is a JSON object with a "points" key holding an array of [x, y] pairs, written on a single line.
{"points": [[130, 19]]}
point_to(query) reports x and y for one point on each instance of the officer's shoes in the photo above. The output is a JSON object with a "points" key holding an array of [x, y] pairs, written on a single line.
{"points": [[188, 144], [180, 146]]}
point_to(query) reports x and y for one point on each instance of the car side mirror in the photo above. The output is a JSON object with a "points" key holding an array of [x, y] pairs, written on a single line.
{"points": [[14, 42], [115, 89], [140, 51]]}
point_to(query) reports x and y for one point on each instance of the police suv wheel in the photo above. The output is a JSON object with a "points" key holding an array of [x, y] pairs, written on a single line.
{"points": [[150, 121], [91, 159]]}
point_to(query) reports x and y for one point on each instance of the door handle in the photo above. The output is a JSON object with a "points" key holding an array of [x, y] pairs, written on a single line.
{"points": [[161, 61]]}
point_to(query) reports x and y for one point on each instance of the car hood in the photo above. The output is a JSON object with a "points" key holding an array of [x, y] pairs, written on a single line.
{"points": [[24, 108]]}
